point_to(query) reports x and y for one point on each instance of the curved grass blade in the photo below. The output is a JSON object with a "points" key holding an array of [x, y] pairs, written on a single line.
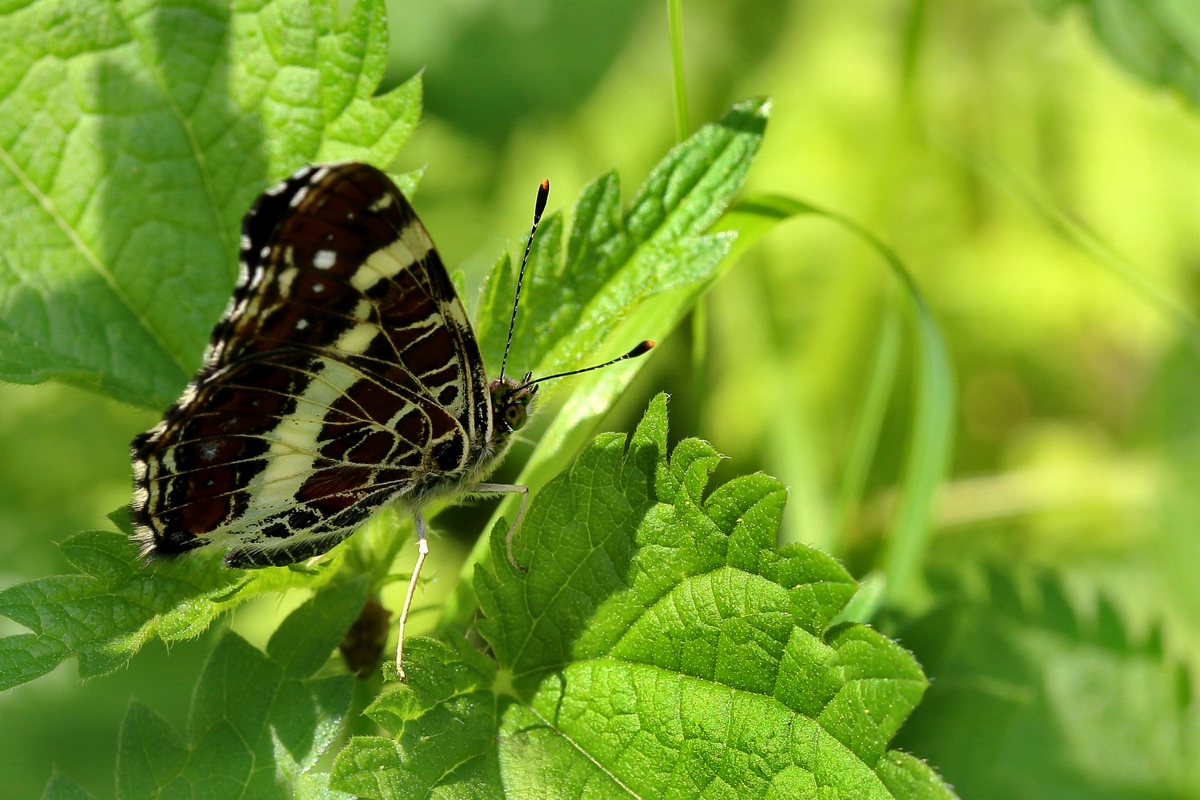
{"points": [[932, 432]]}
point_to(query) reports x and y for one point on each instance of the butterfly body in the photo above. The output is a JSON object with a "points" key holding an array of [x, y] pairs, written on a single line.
{"points": [[343, 375]]}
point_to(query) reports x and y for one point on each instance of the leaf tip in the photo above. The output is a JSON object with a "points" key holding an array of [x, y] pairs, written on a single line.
{"points": [[748, 116]]}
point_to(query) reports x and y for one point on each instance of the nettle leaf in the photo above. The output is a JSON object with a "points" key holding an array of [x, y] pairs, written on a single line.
{"points": [[133, 137], [105, 613], [259, 721], [1033, 698], [658, 646], [578, 288]]}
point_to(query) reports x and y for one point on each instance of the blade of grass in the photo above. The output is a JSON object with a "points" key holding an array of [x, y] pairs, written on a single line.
{"points": [[869, 421], [796, 460], [933, 425], [675, 15]]}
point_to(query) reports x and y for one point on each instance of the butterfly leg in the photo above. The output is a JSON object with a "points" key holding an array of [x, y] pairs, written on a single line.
{"points": [[422, 551], [508, 488]]}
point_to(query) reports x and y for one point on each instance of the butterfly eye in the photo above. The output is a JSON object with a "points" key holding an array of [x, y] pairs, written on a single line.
{"points": [[514, 415]]}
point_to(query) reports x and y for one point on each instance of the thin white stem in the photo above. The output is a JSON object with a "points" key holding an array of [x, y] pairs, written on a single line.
{"points": [[422, 551]]}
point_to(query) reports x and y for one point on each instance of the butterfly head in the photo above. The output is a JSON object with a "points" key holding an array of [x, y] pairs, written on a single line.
{"points": [[511, 401]]}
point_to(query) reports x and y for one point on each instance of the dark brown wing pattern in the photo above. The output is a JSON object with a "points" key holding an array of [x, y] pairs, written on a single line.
{"points": [[343, 374]]}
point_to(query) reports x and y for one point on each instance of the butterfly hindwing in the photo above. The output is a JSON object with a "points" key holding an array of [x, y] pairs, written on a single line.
{"points": [[343, 374]]}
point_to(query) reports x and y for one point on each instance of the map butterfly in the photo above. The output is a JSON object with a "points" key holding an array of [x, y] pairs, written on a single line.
{"points": [[343, 376]]}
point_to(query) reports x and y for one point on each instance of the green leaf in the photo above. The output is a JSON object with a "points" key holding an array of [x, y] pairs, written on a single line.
{"points": [[259, 721], [658, 646], [1032, 698], [103, 614], [1155, 40], [133, 137], [615, 278], [577, 291]]}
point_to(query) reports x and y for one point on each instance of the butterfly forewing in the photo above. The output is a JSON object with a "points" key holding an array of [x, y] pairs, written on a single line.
{"points": [[343, 374]]}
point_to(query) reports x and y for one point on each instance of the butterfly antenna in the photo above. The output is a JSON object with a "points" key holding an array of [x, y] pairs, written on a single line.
{"points": [[640, 350], [538, 208]]}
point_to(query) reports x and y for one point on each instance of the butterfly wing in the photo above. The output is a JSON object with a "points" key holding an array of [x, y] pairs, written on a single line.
{"points": [[343, 374]]}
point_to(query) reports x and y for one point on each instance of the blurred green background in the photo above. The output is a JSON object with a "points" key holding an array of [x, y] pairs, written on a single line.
{"points": [[1043, 191]]}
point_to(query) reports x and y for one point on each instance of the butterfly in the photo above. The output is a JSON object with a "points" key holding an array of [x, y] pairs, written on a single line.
{"points": [[343, 376]]}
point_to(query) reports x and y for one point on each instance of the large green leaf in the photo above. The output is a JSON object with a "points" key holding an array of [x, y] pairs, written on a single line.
{"points": [[133, 137], [658, 646]]}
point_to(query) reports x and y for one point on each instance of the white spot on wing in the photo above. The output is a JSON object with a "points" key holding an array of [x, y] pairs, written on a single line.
{"points": [[302, 324], [381, 203], [324, 259]]}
